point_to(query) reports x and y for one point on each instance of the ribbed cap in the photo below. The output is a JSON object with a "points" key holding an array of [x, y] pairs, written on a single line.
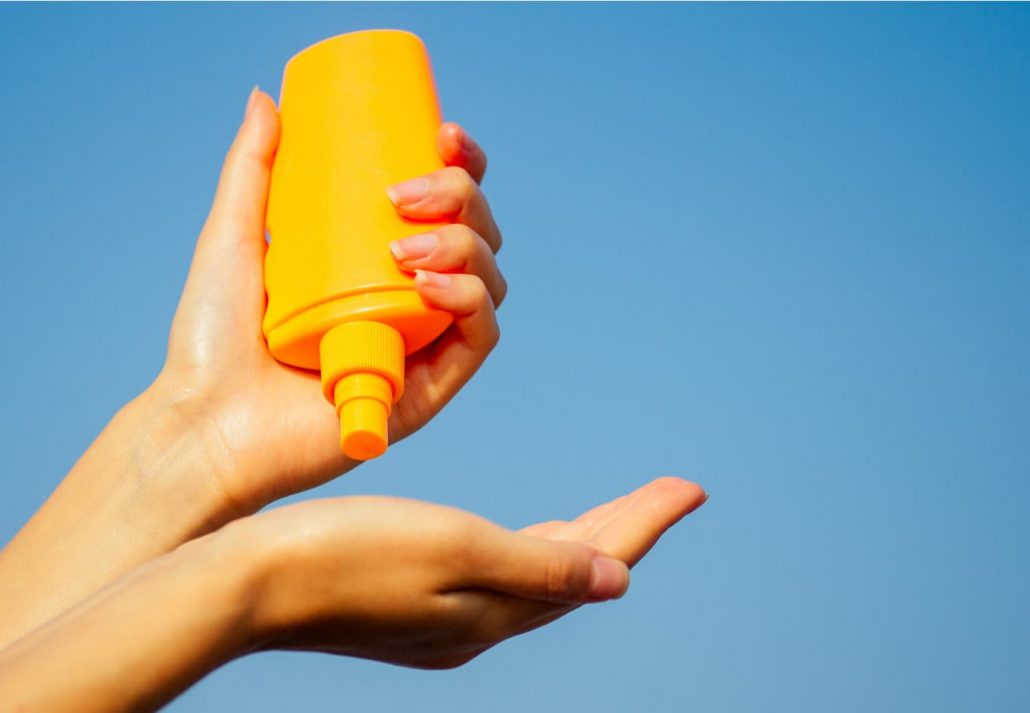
{"points": [[363, 376]]}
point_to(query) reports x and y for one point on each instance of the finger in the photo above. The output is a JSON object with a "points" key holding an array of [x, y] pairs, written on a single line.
{"points": [[457, 148], [450, 195], [543, 529], [632, 508], [544, 570], [634, 529], [465, 346], [626, 528], [583, 527], [578, 530], [452, 248], [237, 215], [225, 286]]}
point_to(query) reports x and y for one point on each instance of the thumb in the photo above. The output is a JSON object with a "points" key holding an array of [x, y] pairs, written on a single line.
{"points": [[237, 218], [224, 290], [531, 567]]}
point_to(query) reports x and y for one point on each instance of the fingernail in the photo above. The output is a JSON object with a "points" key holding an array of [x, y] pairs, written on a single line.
{"points": [[609, 579], [425, 278], [409, 191], [415, 247], [251, 99]]}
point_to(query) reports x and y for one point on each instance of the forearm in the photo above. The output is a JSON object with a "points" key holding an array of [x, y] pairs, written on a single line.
{"points": [[140, 641], [143, 487]]}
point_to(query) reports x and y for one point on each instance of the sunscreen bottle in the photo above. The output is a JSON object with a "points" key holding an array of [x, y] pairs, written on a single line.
{"points": [[359, 113]]}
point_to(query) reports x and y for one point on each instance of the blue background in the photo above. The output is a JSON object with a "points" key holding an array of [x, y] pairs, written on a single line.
{"points": [[780, 250]]}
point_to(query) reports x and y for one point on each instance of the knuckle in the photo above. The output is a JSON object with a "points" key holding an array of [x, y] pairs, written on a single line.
{"points": [[499, 238], [470, 241], [462, 242], [559, 575], [502, 289], [494, 336], [461, 182], [247, 157], [479, 290], [492, 333], [474, 295]]}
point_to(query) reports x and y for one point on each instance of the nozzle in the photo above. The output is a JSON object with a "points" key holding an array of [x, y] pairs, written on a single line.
{"points": [[363, 376], [363, 403]]}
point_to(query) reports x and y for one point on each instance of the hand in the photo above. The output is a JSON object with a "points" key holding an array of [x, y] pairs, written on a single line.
{"points": [[625, 528], [219, 374], [432, 587], [393, 580], [194, 451]]}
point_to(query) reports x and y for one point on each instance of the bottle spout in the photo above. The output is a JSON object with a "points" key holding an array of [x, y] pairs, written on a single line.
{"points": [[363, 402], [363, 428]]}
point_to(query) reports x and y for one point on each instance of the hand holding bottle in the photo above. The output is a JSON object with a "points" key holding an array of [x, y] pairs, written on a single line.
{"points": [[269, 431], [225, 428]]}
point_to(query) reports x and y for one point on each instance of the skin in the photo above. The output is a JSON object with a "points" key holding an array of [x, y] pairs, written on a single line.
{"points": [[149, 557], [193, 451], [393, 580]]}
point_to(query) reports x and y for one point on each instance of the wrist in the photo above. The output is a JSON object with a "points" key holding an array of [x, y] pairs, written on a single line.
{"points": [[176, 464], [168, 621], [255, 558], [230, 575], [142, 488]]}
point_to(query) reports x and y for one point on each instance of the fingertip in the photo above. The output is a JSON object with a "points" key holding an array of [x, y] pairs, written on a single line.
{"points": [[672, 485], [457, 148], [261, 123], [265, 109], [415, 249], [429, 280], [609, 579], [250, 102], [242, 192], [262, 101], [674, 498], [408, 194], [449, 142]]}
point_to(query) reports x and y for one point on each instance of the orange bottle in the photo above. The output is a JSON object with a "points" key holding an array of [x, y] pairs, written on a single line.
{"points": [[359, 113]]}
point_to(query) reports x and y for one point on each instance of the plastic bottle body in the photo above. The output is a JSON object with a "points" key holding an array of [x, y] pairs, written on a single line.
{"points": [[359, 113]]}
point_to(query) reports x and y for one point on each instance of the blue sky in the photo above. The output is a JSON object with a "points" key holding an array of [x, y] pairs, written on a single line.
{"points": [[779, 250]]}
